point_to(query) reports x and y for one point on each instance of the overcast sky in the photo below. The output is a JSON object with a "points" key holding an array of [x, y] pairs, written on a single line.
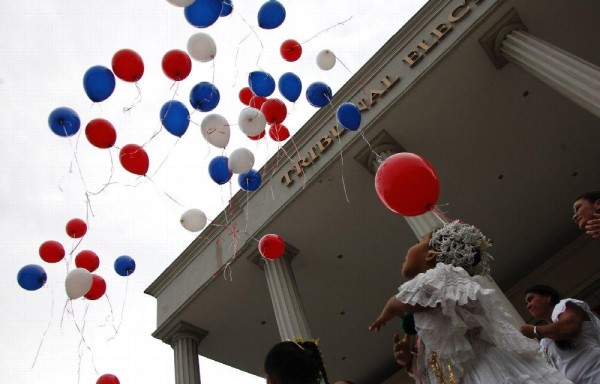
{"points": [[46, 48]]}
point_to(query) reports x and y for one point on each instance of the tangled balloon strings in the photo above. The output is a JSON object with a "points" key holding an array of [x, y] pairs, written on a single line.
{"points": [[47, 328], [136, 100], [122, 309]]}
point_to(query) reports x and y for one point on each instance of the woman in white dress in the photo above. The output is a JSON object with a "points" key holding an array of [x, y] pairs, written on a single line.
{"points": [[570, 340], [464, 334]]}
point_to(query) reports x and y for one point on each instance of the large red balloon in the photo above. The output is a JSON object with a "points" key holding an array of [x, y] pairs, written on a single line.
{"points": [[290, 50], [101, 133], [134, 159], [128, 65], [245, 95], [257, 101], [76, 228], [176, 64], [271, 246], [407, 184], [87, 259], [52, 251], [279, 132], [108, 379], [257, 137], [274, 110], [98, 288]]}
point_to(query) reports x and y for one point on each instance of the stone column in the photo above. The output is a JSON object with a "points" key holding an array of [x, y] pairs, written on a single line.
{"points": [[185, 339], [287, 304], [571, 76]]}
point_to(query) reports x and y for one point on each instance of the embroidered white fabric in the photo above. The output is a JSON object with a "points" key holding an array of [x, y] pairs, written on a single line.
{"points": [[468, 328]]}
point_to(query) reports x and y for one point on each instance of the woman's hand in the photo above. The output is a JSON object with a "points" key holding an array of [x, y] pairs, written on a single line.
{"points": [[527, 331], [402, 350], [592, 228]]}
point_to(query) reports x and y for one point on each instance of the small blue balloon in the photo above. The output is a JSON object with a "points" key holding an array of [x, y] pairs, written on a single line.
{"points": [[227, 8], [124, 265], [271, 14], [249, 181], [348, 115], [261, 83], [318, 94], [99, 83], [204, 96], [175, 117], [290, 86], [203, 13], [218, 170], [64, 121], [31, 277]]}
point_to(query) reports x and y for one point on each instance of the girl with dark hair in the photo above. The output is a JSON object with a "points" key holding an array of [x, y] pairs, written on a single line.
{"points": [[586, 213], [570, 340], [464, 333], [295, 362]]}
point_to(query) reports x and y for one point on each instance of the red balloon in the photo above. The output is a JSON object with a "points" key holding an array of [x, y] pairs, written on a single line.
{"points": [[257, 101], [134, 159], [257, 137], [128, 65], [76, 228], [407, 184], [108, 379], [245, 95], [290, 50], [101, 133], [98, 288], [279, 132], [176, 64], [52, 251], [274, 110], [87, 259], [271, 246]]}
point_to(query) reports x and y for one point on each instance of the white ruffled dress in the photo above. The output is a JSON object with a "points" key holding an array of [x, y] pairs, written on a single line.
{"points": [[467, 337], [580, 362]]}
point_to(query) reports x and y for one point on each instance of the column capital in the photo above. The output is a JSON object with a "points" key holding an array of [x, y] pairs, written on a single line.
{"points": [[492, 40], [171, 333], [288, 254]]}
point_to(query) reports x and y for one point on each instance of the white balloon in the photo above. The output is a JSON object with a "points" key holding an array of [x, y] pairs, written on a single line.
{"points": [[215, 129], [252, 121], [202, 47], [181, 3], [241, 161], [194, 220], [78, 283], [326, 59]]}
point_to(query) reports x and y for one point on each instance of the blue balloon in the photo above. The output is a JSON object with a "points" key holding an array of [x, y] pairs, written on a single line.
{"points": [[203, 13], [249, 181], [218, 170], [204, 96], [348, 115], [271, 14], [227, 8], [31, 277], [261, 83], [318, 94], [175, 117], [290, 86], [99, 83], [64, 121], [124, 265]]}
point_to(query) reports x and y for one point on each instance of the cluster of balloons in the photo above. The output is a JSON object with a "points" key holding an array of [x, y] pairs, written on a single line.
{"points": [[407, 184], [81, 281]]}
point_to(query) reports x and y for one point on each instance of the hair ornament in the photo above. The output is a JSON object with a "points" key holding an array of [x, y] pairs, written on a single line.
{"points": [[462, 245]]}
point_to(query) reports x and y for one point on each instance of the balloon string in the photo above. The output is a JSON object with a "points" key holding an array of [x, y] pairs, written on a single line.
{"points": [[262, 47], [166, 157], [343, 65], [377, 155], [112, 172], [136, 100], [327, 29], [47, 328], [341, 157], [439, 214], [237, 71], [302, 173], [122, 309], [112, 313]]}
